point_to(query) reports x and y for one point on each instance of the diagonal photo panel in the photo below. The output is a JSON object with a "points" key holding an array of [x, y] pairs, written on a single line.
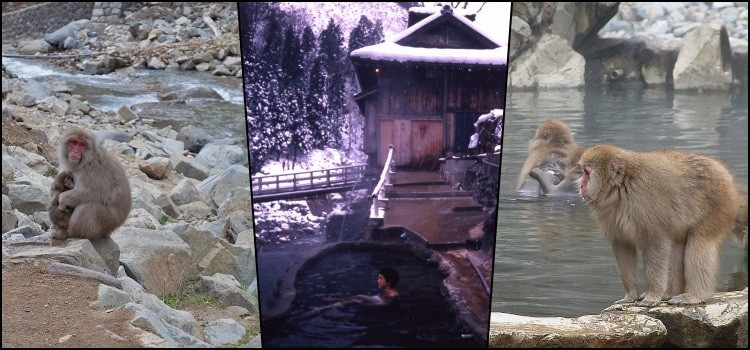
{"points": [[375, 136], [623, 196]]}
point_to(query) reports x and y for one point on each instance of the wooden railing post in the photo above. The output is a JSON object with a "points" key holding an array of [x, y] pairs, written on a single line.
{"points": [[379, 200]]}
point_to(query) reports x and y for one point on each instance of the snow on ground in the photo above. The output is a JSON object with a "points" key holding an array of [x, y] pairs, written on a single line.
{"points": [[285, 220], [314, 160]]}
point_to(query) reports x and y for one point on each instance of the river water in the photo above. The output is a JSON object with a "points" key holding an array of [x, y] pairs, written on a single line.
{"points": [[139, 89], [550, 259]]}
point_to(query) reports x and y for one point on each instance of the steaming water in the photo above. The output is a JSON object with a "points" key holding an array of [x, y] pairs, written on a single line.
{"points": [[550, 259], [139, 89], [424, 318]]}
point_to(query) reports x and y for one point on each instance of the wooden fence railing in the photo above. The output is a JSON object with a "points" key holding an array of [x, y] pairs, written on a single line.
{"points": [[307, 182]]}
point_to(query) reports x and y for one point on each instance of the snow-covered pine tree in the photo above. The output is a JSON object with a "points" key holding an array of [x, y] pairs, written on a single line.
{"points": [[291, 59], [316, 102], [331, 55]]}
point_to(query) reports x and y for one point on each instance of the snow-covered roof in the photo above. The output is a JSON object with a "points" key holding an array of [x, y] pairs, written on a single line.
{"points": [[389, 51], [392, 51]]}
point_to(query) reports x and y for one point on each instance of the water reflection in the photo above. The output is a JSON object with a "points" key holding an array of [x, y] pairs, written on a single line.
{"points": [[550, 259]]}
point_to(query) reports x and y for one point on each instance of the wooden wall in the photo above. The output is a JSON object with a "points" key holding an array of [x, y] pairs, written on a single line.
{"points": [[415, 108], [414, 141]]}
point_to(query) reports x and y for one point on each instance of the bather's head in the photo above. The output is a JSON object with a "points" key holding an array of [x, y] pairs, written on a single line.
{"points": [[390, 275]]}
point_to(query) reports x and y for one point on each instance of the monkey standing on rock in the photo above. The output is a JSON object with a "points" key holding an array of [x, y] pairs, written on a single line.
{"points": [[676, 207], [99, 201]]}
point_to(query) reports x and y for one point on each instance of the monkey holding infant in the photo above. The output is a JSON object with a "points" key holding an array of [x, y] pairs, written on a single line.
{"points": [[91, 194]]}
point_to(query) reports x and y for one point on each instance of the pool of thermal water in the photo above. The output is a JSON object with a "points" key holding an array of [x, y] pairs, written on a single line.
{"points": [[423, 318]]}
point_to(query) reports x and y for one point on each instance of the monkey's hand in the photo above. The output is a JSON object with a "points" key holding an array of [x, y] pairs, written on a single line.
{"points": [[558, 171], [68, 201], [545, 179]]}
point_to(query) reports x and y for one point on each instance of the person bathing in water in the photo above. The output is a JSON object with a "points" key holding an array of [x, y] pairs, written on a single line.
{"points": [[387, 294]]}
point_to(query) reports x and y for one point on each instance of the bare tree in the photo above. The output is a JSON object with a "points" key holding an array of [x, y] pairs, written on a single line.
{"points": [[465, 5]]}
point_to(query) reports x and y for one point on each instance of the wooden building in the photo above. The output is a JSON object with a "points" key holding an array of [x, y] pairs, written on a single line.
{"points": [[423, 89]]}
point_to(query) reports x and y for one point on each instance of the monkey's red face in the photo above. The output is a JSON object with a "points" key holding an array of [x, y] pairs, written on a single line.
{"points": [[584, 181], [76, 149]]}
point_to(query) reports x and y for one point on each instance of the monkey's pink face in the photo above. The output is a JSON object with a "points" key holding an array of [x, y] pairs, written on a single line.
{"points": [[76, 149], [584, 181]]}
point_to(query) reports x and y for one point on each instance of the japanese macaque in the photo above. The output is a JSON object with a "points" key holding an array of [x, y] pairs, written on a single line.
{"points": [[99, 201], [552, 154], [676, 207], [59, 218]]}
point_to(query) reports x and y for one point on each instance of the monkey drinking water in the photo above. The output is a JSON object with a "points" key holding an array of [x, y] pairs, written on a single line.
{"points": [[99, 201], [676, 207]]}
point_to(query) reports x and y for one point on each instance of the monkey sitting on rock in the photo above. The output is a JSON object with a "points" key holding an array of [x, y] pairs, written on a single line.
{"points": [[94, 192]]}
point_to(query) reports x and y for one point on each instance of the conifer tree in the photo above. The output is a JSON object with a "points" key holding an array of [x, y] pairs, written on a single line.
{"points": [[316, 102], [291, 60], [330, 56]]}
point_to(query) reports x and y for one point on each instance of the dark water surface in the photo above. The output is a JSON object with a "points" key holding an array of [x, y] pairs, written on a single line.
{"points": [[423, 318], [550, 259]]}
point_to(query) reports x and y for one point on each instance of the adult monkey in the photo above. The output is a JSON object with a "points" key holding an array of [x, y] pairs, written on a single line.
{"points": [[60, 219], [677, 207], [100, 200], [552, 147]]}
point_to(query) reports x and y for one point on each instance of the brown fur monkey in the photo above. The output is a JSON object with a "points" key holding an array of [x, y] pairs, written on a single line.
{"points": [[676, 207], [100, 200], [553, 147], [63, 182]]}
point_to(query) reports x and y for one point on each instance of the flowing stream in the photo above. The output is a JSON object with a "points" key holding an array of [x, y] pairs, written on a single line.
{"points": [[222, 115]]}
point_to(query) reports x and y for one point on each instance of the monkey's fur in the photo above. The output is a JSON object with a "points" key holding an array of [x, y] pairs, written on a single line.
{"points": [[63, 181], [676, 207], [553, 147], [101, 199]]}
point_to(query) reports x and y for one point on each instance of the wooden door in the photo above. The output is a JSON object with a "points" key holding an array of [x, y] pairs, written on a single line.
{"points": [[397, 133], [402, 141]]}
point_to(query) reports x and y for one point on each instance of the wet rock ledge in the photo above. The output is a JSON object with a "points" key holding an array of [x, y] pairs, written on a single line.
{"points": [[721, 322]]}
